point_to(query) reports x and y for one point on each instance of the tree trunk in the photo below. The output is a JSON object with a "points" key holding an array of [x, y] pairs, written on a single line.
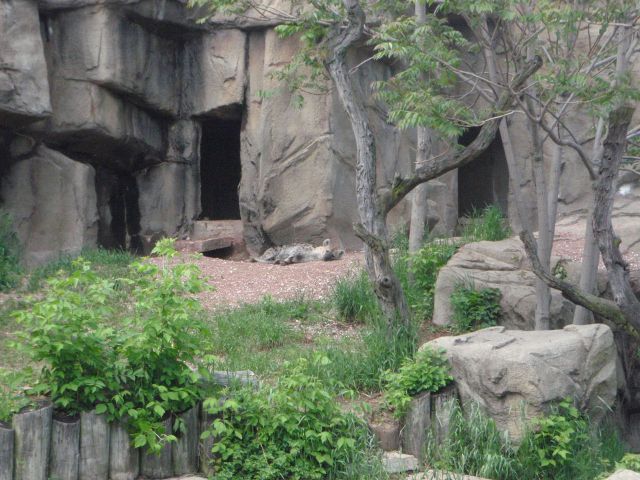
{"points": [[372, 229], [608, 243], [419, 201], [545, 239], [588, 270]]}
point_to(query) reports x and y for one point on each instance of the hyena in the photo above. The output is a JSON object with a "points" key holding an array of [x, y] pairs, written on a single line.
{"points": [[300, 252]]}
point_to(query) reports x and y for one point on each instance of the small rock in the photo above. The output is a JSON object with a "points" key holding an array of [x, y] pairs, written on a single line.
{"points": [[396, 462], [624, 475], [440, 475]]}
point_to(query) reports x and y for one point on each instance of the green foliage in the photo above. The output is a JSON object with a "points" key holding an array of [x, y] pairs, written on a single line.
{"points": [[560, 446], [122, 346], [424, 266], [630, 461], [486, 224], [474, 309], [10, 269], [294, 430], [13, 395], [428, 371], [355, 299]]}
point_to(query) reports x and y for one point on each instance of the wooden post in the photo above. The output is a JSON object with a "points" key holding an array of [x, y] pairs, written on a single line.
{"points": [[32, 441], [185, 450], [442, 405], [416, 424], [158, 465], [124, 460], [65, 449], [206, 457], [6, 452], [94, 446]]}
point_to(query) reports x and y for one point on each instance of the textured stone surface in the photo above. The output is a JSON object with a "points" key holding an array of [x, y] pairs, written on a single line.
{"points": [[503, 265], [442, 475], [395, 462], [624, 475], [24, 90], [53, 202], [417, 423], [516, 375]]}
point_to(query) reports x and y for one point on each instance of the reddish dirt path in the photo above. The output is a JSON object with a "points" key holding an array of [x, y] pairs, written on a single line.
{"points": [[238, 282]]}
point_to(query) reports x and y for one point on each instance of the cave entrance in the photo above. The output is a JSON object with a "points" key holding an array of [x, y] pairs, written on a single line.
{"points": [[484, 181], [220, 168], [118, 210]]}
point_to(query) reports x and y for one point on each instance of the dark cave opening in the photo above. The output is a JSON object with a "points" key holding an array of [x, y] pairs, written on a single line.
{"points": [[484, 181], [220, 168], [119, 212]]}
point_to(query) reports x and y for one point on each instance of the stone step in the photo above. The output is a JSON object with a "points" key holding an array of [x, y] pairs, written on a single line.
{"points": [[396, 462], [203, 229], [204, 245]]}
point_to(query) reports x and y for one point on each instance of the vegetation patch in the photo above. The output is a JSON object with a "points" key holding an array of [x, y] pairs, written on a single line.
{"points": [[294, 429], [10, 269], [474, 309], [428, 371]]}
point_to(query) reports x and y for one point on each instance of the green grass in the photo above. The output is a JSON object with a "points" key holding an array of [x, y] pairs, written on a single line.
{"points": [[109, 263], [354, 298], [10, 269], [486, 224], [475, 446]]}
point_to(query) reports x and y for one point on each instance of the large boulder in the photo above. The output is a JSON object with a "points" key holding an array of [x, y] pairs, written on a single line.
{"points": [[53, 203], [502, 265], [516, 375]]}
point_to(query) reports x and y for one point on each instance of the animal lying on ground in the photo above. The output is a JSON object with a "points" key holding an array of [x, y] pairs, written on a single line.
{"points": [[300, 252]]}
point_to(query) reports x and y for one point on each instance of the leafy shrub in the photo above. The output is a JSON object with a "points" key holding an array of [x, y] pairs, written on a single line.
{"points": [[423, 267], [355, 299], [474, 309], [13, 397], [486, 224], [428, 371], [10, 269], [630, 461], [69, 332], [294, 430], [121, 346]]}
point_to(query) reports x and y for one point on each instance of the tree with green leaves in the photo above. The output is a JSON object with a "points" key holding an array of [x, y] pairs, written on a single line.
{"points": [[328, 29]]}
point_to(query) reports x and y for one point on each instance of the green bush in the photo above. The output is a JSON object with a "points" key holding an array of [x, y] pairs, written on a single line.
{"points": [[474, 309], [354, 298], [122, 346], [486, 224], [423, 267], [428, 371], [293, 430], [10, 270]]}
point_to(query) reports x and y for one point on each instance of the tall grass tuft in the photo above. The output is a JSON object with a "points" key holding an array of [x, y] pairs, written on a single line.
{"points": [[354, 298], [486, 224]]}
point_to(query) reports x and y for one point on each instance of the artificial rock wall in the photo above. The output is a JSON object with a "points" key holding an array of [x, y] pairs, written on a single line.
{"points": [[102, 104]]}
